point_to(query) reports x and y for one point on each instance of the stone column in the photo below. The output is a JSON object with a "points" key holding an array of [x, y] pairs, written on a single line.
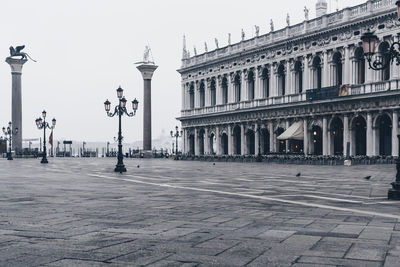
{"points": [[218, 91], [243, 143], [305, 140], [256, 139], [370, 141], [207, 144], [218, 144], [325, 136], [395, 132], [16, 100], [287, 142], [271, 137], [306, 75], [147, 71], [347, 66], [244, 86], [346, 135], [230, 140], [325, 71], [196, 142]]}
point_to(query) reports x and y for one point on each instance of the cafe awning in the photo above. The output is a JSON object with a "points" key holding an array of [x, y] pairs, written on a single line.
{"points": [[294, 132]]}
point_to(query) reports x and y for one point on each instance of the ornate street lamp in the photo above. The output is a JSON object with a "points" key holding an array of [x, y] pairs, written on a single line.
{"points": [[9, 133], [177, 134], [120, 109], [380, 60], [42, 124]]}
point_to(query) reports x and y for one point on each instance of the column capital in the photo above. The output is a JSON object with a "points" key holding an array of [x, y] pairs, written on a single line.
{"points": [[147, 70], [16, 64]]}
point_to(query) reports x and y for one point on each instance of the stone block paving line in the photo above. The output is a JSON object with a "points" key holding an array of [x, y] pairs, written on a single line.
{"points": [[77, 212]]}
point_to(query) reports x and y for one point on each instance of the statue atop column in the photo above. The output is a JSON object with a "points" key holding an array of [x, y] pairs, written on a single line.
{"points": [[16, 52], [271, 23]]}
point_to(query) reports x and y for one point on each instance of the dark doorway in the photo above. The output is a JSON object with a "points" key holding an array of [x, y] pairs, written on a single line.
{"points": [[281, 143], [224, 142], [237, 140], [250, 142], [317, 139], [265, 140], [385, 135], [337, 135], [360, 129], [191, 145]]}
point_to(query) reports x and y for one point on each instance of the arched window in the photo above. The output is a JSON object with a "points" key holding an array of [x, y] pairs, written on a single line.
{"points": [[213, 94], [202, 95], [317, 72], [298, 68], [191, 95], [250, 84], [265, 79], [224, 90], [337, 69], [360, 66], [237, 88], [281, 80], [383, 49]]}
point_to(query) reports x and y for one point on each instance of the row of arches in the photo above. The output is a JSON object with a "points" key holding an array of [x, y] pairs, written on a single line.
{"points": [[382, 140], [336, 74]]}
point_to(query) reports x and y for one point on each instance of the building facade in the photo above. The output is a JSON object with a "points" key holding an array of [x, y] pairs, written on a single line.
{"points": [[310, 78]]}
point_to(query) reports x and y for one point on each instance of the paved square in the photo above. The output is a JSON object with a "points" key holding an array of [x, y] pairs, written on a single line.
{"points": [[77, 212]]}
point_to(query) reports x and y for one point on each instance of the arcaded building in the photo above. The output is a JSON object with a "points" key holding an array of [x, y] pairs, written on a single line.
{"points": [[306, 88]]}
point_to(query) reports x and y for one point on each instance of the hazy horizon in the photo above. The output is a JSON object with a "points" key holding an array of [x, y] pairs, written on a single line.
{"points": [[86, 49]]}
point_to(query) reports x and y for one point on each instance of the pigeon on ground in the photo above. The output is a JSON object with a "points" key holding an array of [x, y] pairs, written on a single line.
{"points": [[367, 177], [138, 166], [298, 175], [214, 163]]}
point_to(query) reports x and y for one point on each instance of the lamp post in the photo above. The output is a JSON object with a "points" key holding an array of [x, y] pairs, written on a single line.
{"points": [[9, 133], [383, 61], [42, 124], [120, 109], [259, 158], [177, 134]]}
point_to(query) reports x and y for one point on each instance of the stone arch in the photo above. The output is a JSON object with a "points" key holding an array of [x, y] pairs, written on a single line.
{"points": [[238, 87], [191, 96], [237, 140], [265, 80], [265, 139], [336, 136], [337, 78], [250, 85], [201, 139], [250, 141], [359, 65], [224, 86], [298, 69], [281, 79], [202, 94], [383, 134], [317, 71], [358, 135]]}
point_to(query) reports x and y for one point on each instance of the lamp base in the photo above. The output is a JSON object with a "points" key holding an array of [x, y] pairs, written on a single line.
{"points": [[44, 161], [394, 193], [259, 158], [120, 168]]}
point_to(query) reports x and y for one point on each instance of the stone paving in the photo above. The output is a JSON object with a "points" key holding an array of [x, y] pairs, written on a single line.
{"points": [[77, 212]]}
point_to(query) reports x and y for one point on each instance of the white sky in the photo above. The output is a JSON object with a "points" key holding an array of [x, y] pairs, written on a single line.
{"points": [[87, 48]]}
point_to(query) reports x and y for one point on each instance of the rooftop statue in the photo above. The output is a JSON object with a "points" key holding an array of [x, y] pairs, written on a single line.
{"points": [[288, 20], [16, 52], [306, 11], [257, 30], [229, 39], [216, 43], [272, 25]]}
